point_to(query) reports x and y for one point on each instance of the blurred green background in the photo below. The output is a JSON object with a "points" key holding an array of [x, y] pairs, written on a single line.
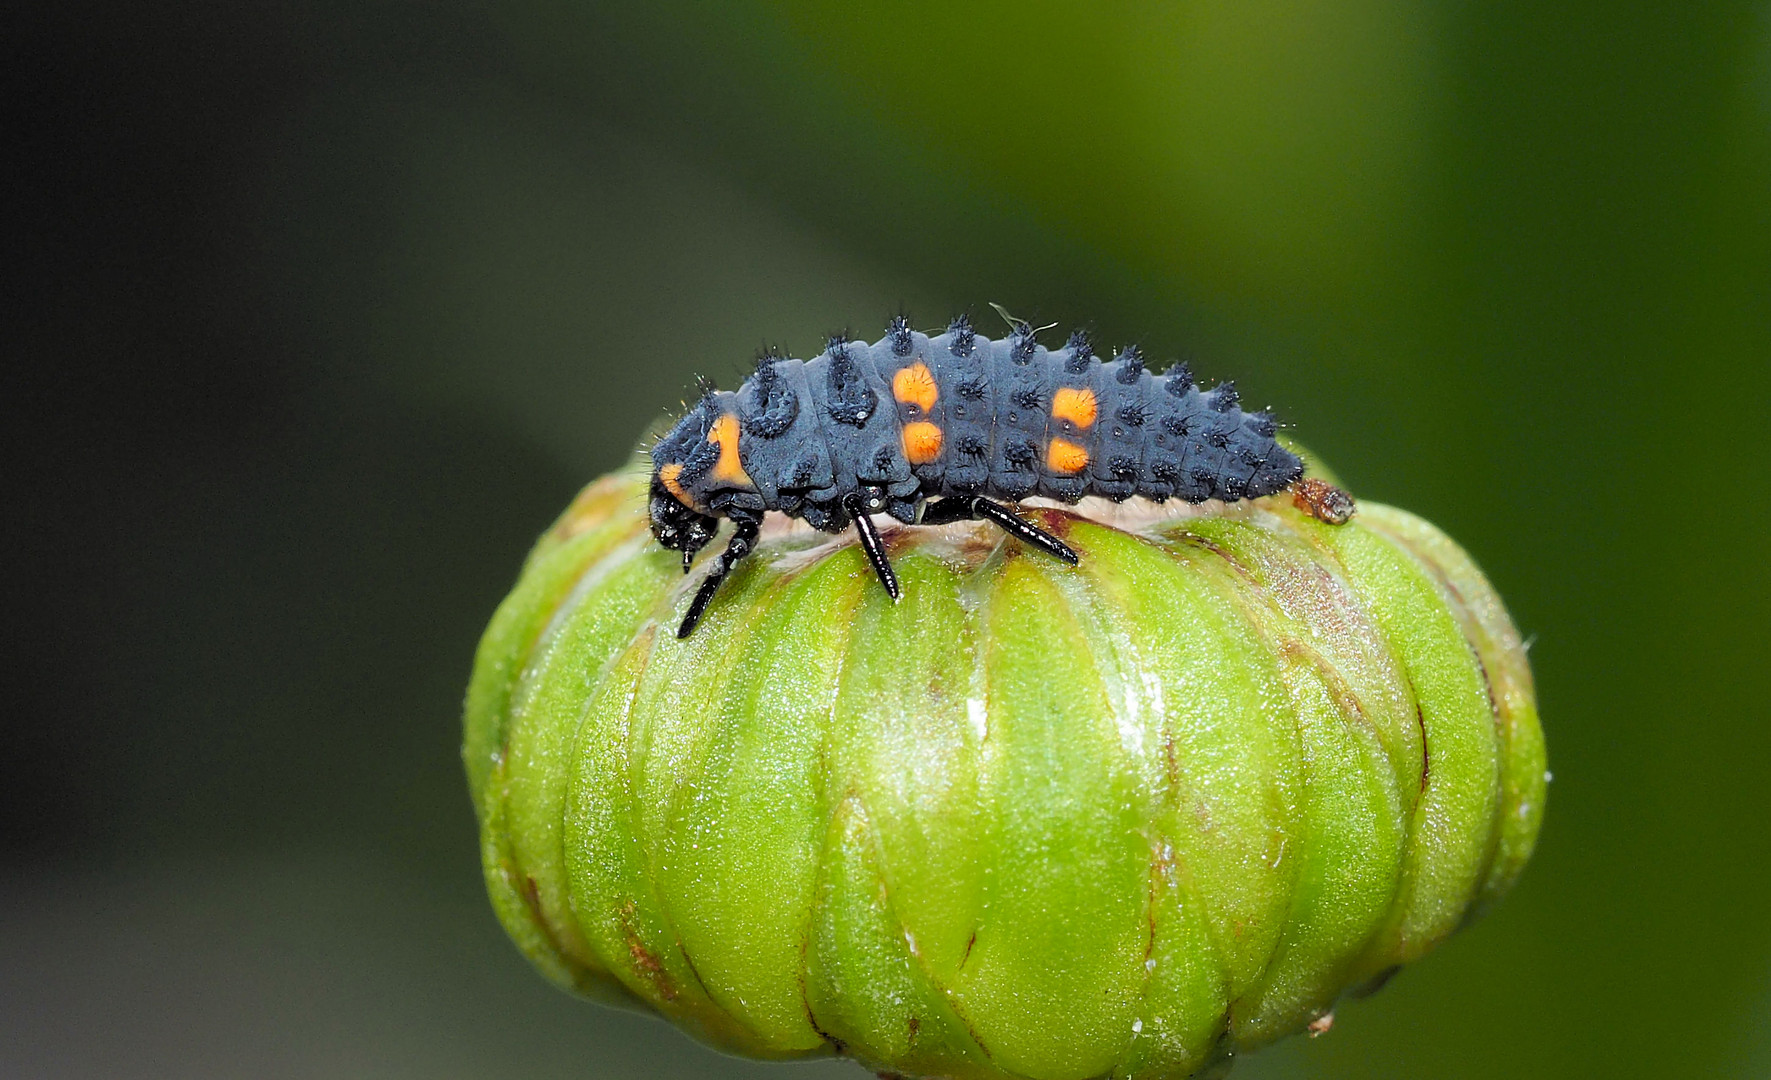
{"points": [[320, 312]]}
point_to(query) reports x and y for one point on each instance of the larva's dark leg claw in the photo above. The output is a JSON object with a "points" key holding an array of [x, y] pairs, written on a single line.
{"points": [[870, 543], [1023, 530], [742, 542], [696, 606]]}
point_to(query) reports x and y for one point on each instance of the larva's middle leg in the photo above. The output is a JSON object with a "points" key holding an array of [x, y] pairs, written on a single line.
{"points": [[870, 543], [972, 508]]}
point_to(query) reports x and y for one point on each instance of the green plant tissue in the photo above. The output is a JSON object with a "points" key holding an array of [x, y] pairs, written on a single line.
{"points": [[1129, 818]]}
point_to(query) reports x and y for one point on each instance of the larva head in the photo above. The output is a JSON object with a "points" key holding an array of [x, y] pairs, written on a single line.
{"points": [[681, 463]]}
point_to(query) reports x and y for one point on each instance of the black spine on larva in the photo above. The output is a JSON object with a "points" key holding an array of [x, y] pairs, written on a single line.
{"points": [[1178, 378], [901, 337], [768, 404], [1131, 365], [852, 401], [961, 338], [1079, 350]]}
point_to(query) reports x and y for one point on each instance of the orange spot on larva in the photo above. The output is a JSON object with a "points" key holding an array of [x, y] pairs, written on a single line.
{"points": [[669, 476], [914, 385], [1074, 405], [922, 442], [1063, 456], [725, 436]]}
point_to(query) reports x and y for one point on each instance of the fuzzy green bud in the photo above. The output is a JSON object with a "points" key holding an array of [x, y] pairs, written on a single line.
{"points": [[1127, 818]]}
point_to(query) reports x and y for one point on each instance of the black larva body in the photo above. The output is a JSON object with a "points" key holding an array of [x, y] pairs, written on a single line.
{"points": [[883, 428]]}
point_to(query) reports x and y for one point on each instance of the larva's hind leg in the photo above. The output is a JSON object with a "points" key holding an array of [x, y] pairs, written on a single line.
{"points": [[870, 543], [742, 543], [974, 508], [1022, 529]]}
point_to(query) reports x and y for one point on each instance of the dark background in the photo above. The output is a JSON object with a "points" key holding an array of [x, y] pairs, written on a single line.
{"points": [[319, 313]]}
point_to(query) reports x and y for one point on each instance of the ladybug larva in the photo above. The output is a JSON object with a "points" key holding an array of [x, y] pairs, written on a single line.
{"points": [[970, 423]]}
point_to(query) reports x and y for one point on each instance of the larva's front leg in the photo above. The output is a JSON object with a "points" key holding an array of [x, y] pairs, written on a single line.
{"points": [[743, 541]]}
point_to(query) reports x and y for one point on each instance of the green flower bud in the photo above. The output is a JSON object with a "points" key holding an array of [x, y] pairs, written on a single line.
{"points": [[1128, 818]]}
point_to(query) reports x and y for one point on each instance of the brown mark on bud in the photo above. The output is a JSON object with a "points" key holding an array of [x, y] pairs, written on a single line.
{"points": [[1323, 501], [644, 962], [1054, 521], [531, 894], [1241, 568], [1321, 1024]]}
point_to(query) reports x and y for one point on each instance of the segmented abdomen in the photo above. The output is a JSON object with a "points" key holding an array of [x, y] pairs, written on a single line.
{"points": [[913, 416]]}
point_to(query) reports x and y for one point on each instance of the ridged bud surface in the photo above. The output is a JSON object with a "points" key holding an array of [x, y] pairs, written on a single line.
{"points": [[1127, 818]]}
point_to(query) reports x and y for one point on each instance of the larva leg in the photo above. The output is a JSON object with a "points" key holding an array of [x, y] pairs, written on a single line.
{"points": [[870, 543], [1023, 530], [946, 511], [742, 542], [968, 509]]}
